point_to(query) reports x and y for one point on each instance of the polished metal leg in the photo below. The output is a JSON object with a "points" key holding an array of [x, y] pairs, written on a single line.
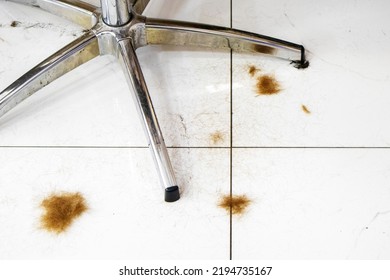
{"points": [[68, 58], [135, 79], [115, 13], [170, 32], [117, 28]]}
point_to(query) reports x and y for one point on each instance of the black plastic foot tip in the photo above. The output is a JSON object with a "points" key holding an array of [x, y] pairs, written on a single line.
{"points": [[172, 194], [299, 64], [302, 63]]}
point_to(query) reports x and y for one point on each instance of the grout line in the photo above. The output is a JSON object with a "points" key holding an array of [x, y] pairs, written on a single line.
{"points": [[76, 147], [231, 14], [204, 147], [109, 147], [231, 143], [311, 147]]}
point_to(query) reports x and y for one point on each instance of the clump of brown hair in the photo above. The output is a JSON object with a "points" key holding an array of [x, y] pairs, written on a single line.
{"points": [[305, 109], [252, 70], [15, 23], [267, 85], [237, 204], [61, 210], [216, 137]]}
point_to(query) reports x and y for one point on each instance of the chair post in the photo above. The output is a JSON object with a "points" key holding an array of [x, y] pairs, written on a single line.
{"points": [[115, 13]]}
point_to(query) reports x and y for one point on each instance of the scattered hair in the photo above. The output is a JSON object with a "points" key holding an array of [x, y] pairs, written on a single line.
{"points": [[237, 204], [252, 70], [267, 85], [216, 137], [305, 109], [61, 210], [15, 23]]}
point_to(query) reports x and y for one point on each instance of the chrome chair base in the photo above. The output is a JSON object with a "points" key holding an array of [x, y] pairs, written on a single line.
{"points": [[118, 28]]}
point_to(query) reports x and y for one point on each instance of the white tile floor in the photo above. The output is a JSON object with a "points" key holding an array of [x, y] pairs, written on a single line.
{"points": [[319, 182]]}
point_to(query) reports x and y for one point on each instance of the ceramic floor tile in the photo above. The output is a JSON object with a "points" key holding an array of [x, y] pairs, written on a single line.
{"points": [[127, 217], [190, 86], [305, 203], [345, 87], [202, 11], [190, 91], [92, 105], [312, 204]]}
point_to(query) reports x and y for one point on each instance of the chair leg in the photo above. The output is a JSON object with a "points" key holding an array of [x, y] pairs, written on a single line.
{"points": [[170, 32], [139, 5], [121, 40], [68, 58], [135, 79]]}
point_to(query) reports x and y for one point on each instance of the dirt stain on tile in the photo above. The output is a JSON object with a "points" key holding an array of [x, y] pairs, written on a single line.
{"points": [[237, 203], [305, 109], [217, 137], [267, 85], [61, 210], [264, 49]]}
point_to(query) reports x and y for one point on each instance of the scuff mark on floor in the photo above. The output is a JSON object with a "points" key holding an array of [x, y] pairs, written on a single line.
{"points": [[362, 75], [378, 214], [183, 124], [289, 20], [41, 25]]}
